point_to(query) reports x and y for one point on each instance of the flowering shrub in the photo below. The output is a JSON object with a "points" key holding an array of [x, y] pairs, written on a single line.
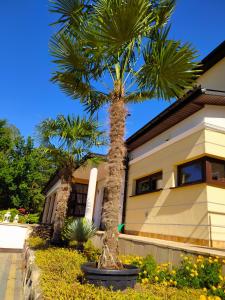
{"points": [[200, 273], [155, 281], [60, 279]]}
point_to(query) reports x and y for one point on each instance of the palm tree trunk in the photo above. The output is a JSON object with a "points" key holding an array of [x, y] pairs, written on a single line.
{"points": [[62, 199], [109, 257]]}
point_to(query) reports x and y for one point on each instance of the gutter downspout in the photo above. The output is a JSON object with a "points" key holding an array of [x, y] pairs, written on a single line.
{"points": [[126, 162]]}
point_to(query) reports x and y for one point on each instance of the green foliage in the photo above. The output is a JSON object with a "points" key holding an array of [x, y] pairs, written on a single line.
{"points": [[60, 279], [199, 273], [28, 218], [35, 242], [91, 253], [13, 212], [70, 139], [108, 39], [24, 170], [79, 230], [33, 218]]}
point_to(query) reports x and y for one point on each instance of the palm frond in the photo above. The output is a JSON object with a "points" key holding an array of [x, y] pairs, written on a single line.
{"points": [[79, 230], [138, 96], [70, 138], [169, 68], [162, 10], [70, 11], [115, 23]]}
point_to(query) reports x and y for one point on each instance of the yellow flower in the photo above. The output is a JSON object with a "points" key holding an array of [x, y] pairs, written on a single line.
{"points": [[145, 272], [205, 289], [175, 283], [221, 277], [223, 261], [144, 280], [165, 283], [186, 258], [187, 268], [195, 266], [192, 275], [173, 272], [215, 260], [203, 297], [202, 266], [217, 298], [156, 278], [213, 288]]}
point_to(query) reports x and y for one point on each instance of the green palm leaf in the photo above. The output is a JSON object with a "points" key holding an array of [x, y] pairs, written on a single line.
{"points": [[69, 139], [168, 68], [79, 230]]}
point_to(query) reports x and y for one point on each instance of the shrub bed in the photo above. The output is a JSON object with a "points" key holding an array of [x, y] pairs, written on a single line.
{"points": [[61, 277], [24, 218]]}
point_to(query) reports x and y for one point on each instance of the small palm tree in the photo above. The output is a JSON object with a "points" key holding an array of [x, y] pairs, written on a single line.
{"points": [[79, 230], [69, 140], [125, 45]]}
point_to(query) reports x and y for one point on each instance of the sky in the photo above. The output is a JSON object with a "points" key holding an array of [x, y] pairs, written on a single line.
{"points": [[26, 94]]}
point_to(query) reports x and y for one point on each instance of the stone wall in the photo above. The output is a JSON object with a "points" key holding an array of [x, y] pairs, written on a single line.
{"points": [[162, 251], [31, 277]]}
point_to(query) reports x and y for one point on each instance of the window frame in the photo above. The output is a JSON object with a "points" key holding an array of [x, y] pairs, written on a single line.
{"points": [[206, 172], [208, 167], [179, 169], [149, 179]]}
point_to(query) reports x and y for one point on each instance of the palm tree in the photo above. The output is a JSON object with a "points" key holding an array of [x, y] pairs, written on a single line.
{"points": [[69, 140], [125, 45]]}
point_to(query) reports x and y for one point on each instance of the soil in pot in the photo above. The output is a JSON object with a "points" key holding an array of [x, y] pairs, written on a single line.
{"points": [[114, 279]]}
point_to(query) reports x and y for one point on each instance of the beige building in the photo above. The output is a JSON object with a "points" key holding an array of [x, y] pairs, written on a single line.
{"points": [[175, 181], [176, 177], [87, 195]]}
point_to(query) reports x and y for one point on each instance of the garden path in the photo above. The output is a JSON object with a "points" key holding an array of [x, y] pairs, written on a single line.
{"points": [[12, 239], [11, 276]]}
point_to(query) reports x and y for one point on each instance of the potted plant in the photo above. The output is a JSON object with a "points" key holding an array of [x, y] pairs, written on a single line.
{"points": [[125, 45]]}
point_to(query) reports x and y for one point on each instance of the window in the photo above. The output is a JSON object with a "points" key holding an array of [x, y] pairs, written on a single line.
{"points": [[215, 170], [205, 169], [191, 172], [148, 184], [77, 200]]}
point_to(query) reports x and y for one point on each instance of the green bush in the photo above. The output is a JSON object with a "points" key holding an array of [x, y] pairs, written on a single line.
{"points": [[36, 242], [28, 218], [91, 253], [60, 279], [13, 212], [32, 218]]}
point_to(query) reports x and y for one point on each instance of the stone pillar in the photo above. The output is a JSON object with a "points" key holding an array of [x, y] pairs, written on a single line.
{"points": [[46, 208], [91, 194]]}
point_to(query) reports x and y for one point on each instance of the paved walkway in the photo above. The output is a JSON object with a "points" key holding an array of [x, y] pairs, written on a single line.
{"points": [[12, 238], [11, 276]]}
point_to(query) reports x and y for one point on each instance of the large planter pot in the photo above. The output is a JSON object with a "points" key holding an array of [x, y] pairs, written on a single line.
{"points": [[114, 279]]}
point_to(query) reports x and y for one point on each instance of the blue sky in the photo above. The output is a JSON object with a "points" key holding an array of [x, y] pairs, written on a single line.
{"points": [[26, 94]]}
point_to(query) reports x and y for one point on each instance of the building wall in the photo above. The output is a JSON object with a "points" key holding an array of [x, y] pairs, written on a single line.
{"points": [[209, 115], [172, 213], [216, 208], [214, 78]]}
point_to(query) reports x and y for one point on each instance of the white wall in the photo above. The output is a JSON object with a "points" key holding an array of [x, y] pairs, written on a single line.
{"points": [[55, 186], [214, 78], [209, 115]]}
